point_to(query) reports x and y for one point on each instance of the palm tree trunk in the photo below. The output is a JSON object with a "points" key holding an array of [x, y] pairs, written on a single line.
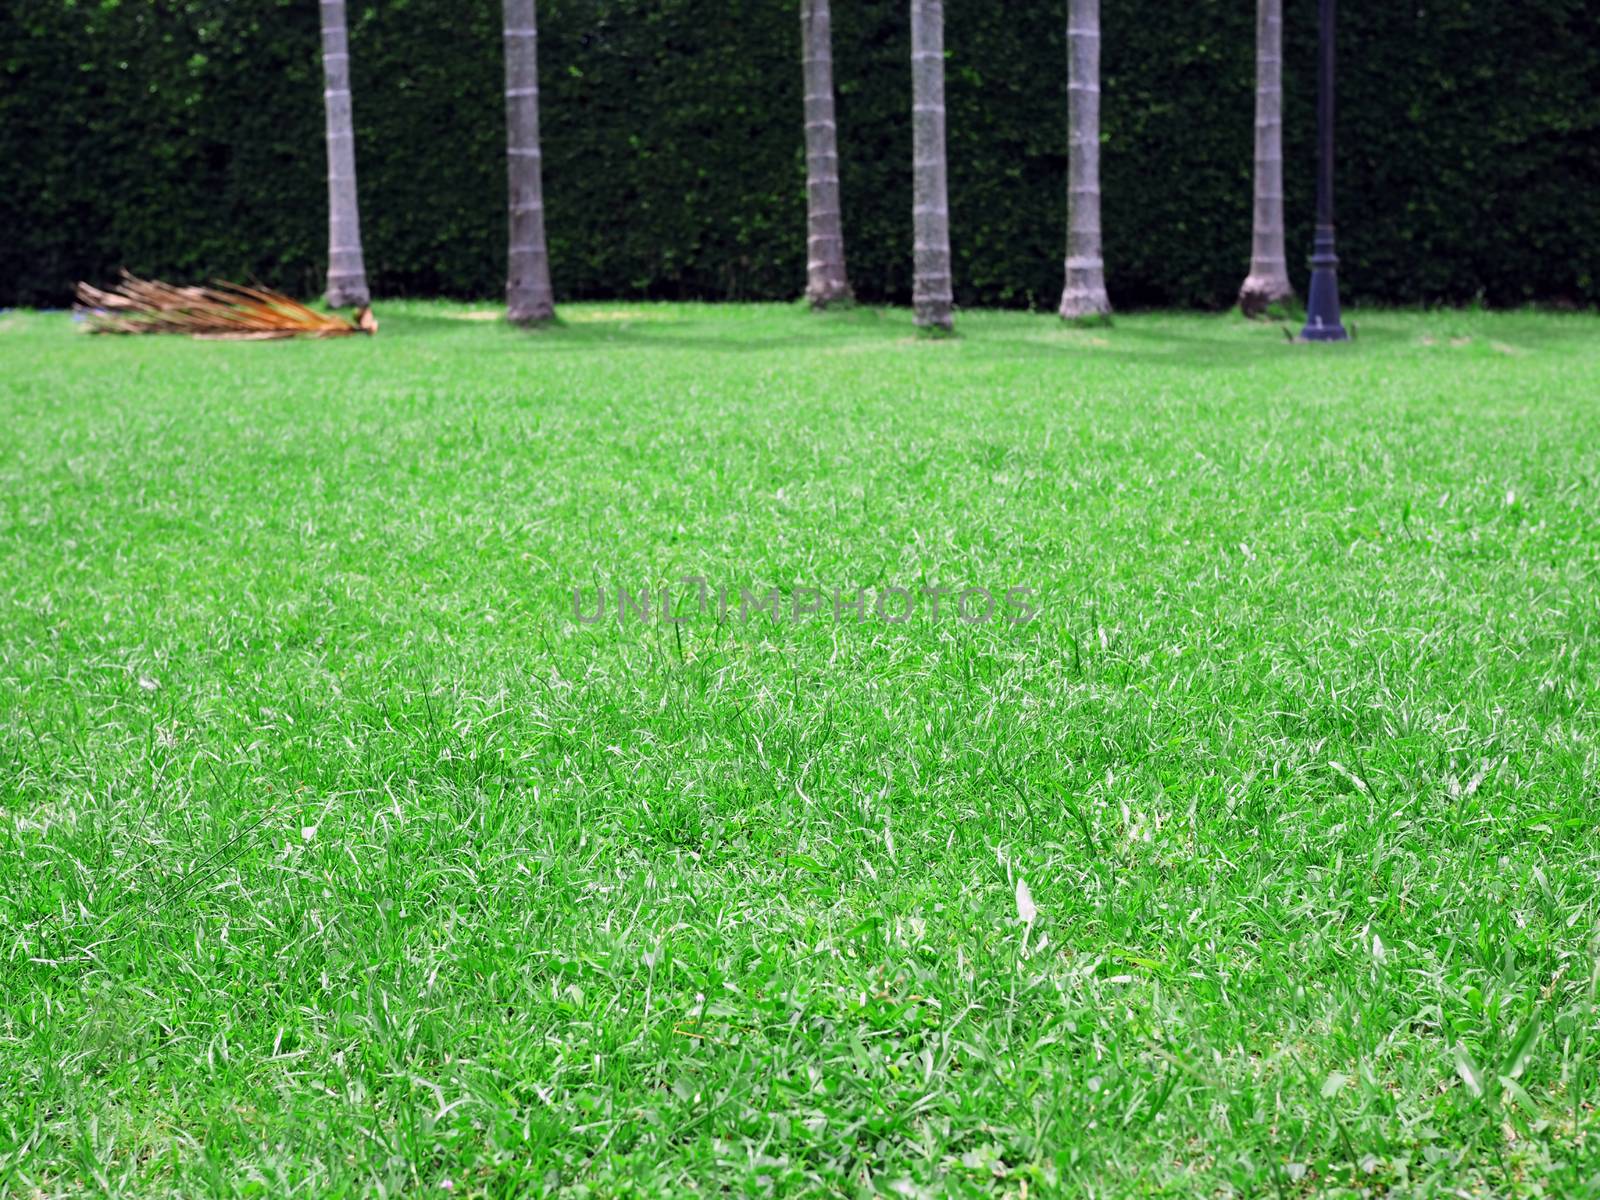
{"points": [[930, 289], [347, 273], [1084, 293], [1268, 282], [826, 282], [529, 298]]}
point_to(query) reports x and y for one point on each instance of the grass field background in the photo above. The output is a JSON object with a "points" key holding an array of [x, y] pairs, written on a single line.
{"points": [[337, 858]]}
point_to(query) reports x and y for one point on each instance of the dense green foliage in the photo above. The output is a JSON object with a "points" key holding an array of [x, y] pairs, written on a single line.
{"points": [[183, 137], [337, 859]]}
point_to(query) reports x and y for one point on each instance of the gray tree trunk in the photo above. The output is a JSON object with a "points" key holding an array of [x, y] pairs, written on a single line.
{"points": [[1084, 292], [1268, 281], [826, 282], [529, 298], [930, 289], [347, 273]]}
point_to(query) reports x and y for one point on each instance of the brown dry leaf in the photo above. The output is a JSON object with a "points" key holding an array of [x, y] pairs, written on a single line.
{"points": [[223, 311]]}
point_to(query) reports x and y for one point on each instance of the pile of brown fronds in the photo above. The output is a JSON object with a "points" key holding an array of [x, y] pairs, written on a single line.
{"points": [[223, 310]]}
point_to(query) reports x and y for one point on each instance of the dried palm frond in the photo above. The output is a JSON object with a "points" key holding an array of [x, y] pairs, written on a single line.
{"points": [[223, 310]]}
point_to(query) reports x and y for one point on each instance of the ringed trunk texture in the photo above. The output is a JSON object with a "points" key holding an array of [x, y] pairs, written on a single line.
{"points": [[1084, 292], [826, 281], [347, 272], [931, 284], [1268, 282], [529, 298]]}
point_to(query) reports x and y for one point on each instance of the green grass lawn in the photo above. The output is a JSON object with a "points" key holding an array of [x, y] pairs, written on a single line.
{"points": [[337, 858]]}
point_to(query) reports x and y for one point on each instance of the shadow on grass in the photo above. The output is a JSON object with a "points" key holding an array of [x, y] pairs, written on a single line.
{"points": [[1180, 341], [581, 332]]}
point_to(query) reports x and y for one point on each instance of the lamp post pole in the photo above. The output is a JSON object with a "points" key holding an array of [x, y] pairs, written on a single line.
{"points": [[1322, 303]]}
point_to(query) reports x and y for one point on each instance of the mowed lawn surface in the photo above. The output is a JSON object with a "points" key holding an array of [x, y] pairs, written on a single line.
{"points": [[337, 858]]}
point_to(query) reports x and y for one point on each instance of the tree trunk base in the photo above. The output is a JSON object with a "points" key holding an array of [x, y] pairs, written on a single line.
{"points": [[1260, 292], [348, 292], [834, 295], [537, 314], [1084, 304]]}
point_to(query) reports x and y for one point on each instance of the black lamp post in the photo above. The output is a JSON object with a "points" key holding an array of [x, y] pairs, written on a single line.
{"points": [[1322, 304]]}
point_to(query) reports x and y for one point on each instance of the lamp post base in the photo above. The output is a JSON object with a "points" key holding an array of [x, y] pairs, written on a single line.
{"points": [[1322, 302]]}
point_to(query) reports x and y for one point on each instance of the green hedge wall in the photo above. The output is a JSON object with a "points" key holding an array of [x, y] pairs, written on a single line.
{"points": [[183, 138]]}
